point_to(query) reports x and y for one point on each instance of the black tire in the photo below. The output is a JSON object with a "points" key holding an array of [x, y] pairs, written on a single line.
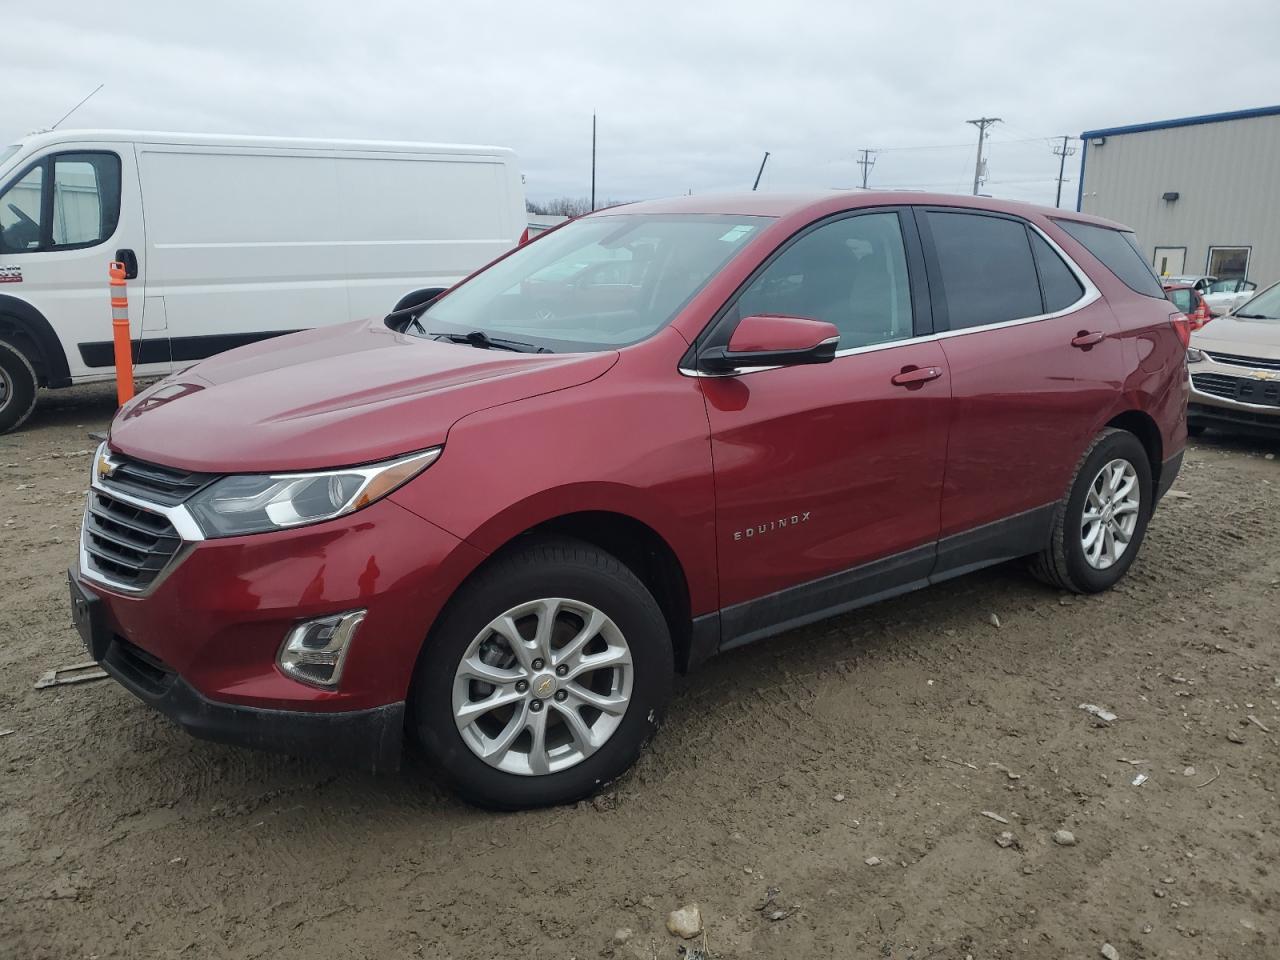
{"points": [[1063, 564], [1194, 429], [537, 569], [17, 387]]}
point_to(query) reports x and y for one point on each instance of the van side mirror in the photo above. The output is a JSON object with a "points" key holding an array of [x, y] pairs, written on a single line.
{"points": [[766, 341]]}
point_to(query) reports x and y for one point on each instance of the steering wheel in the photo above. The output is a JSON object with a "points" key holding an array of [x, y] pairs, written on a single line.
{"points": [[17, 212]]}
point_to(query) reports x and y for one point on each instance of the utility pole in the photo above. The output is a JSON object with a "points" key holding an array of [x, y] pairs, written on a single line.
{"points": [[981, 123], [866, 163], [760, 171], [593, 162], [1063, 151]]}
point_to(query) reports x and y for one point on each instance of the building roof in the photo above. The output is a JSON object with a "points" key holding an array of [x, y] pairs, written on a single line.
{"points": [[1183, 122]]}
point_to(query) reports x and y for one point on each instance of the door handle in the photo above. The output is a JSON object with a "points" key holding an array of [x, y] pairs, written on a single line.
{"points": [[130, 261], [1086, 338], [915, 376]]}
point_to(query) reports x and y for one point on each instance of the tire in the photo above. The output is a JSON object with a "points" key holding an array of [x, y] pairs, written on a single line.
{"points": [[577, 578], [17, 387], [1064, 563], [1194, 429]]}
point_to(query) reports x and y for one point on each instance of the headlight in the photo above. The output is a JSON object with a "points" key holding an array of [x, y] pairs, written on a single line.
{"points": [[1194, 355], [253, 503]]}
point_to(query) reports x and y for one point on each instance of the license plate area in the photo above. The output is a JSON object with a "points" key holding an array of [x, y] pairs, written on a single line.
{"points": [[88, 616]]}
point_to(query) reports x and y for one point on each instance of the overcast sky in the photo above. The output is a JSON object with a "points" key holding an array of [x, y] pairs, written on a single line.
{"points": [[689, 94]]}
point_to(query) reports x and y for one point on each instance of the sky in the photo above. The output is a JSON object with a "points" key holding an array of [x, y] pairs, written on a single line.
{"points": [[689, 95]]}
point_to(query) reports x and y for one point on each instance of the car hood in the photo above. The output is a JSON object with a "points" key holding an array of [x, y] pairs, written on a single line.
{"points": [[1232, 334], [334, 396]]}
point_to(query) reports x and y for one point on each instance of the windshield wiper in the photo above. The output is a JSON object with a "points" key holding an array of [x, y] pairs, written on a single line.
{"points": [[1255, 316], [478, 338]]}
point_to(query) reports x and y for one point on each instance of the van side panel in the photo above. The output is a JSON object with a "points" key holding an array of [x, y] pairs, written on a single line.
{"points": [[419, 221], [242, 243]]}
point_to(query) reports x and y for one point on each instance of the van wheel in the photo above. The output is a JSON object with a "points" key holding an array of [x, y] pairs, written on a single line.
{"points": [[544, 678], [17, 387], [1099, 527]]}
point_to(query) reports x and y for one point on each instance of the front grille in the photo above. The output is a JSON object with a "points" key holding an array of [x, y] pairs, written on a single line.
{"points": [[128, 545], [1260, 363], [1242, 389], [165, 485]]}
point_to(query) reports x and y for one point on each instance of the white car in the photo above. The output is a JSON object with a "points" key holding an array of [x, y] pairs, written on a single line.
{"points": [[1223, 296], [226, 240]]}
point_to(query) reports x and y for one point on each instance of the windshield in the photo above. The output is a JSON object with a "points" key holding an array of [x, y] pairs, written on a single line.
{"points": [[594, 284], [1265, 306]]}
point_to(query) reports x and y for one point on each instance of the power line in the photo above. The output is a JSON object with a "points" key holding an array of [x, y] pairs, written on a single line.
{"points": [[866, 163]]}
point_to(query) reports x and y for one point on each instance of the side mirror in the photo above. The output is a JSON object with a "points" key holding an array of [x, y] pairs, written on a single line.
{"points": [[409, 306], [762, 341]]}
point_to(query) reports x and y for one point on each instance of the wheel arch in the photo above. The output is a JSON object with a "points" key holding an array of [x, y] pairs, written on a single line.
{"points": [[1143, 426], [29, 331], [636, 544]]}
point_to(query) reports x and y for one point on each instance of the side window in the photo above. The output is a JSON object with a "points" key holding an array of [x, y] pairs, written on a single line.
{"points": [[851, 272], [1119, 253], [1182, 300], [86, 198], [988, 275], [20, 213], [1060, 287]]}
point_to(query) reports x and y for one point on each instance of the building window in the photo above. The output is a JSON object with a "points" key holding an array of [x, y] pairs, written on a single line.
{"points": [[1227, 262]]}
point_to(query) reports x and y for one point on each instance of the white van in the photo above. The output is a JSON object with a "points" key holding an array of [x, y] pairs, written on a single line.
{"points": [[227, 240]]}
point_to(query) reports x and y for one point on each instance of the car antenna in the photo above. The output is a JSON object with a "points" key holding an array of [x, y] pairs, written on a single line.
{"points": [[78, 105]]}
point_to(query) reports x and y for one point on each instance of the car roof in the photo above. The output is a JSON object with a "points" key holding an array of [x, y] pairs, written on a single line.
{"points": [[815, 204]]}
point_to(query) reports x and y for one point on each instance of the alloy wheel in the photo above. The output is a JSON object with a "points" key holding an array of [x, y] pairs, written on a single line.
{"points": [[1110, 514], [542, 687]]}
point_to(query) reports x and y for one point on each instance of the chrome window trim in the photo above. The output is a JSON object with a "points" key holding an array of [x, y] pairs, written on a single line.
{"points": [[1089, 296], [179, 516]]}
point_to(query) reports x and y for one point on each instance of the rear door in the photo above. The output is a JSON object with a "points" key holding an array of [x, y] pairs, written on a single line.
{"points": [[829, 477], [1035, 357]]}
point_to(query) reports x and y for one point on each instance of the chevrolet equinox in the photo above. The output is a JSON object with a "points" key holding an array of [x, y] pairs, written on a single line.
{"points": [[501, 518]]}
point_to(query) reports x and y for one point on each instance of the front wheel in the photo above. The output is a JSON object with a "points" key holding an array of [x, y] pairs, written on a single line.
{"points": [[17, 387], [544, 678], [1099, 527]]}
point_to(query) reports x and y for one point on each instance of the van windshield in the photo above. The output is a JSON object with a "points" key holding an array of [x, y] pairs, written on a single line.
{"points": [[594, 284]]}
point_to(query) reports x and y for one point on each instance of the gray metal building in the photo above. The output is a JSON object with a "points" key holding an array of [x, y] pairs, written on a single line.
{"points": [[1202, 193]]}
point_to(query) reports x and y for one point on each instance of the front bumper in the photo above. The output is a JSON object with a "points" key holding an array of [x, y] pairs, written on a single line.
{"points": [[201, 645], [369, 739], [1234, 396]]}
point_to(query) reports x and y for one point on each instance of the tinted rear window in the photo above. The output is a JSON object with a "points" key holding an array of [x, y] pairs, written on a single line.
{"points": [[1118, 252], [988, 275], [1060, 286]]}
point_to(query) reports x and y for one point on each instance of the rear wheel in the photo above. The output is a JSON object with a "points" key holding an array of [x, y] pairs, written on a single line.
{"points": [[17, 387], [544, 678], [1099, 527]]}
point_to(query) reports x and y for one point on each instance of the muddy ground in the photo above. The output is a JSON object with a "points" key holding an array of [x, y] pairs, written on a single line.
{"points": [[883, 734]]}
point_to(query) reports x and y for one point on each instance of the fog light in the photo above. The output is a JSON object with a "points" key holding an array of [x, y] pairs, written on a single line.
{"points": [[314, 651]]}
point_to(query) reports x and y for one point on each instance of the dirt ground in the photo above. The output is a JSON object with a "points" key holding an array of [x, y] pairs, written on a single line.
{"points": [[789, 765]]}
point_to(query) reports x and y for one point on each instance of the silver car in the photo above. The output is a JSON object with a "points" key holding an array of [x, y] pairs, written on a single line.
{"points": [[1234, 364]]}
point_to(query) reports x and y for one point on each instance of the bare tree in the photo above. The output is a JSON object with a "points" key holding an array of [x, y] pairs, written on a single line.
{"points": [[567, 206]]}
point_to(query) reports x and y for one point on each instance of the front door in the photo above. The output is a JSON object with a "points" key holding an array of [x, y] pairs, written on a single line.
{"points": [[829, 477], [63, 218]]}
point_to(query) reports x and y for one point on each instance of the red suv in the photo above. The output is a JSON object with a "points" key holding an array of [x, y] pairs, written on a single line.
{"points": [[500, 520]]}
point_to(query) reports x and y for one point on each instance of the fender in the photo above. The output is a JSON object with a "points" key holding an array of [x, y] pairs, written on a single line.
{"points": [[21, 315]]}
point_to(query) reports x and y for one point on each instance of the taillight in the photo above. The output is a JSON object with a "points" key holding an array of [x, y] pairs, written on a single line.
{"points": [[1182, 327], [524, 237], [1203, 315]]}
